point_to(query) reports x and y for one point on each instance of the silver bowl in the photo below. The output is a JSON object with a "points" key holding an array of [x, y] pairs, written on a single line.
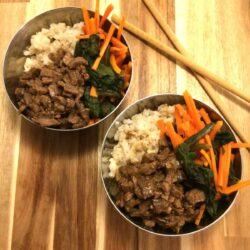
{"points": [[14, 59], [152, 102]]}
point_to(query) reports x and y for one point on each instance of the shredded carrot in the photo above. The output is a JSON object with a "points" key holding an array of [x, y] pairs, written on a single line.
{"points": [[102, 36], [104, 47], [114, 65], [174, 137], [227, 164], [216, 129], [91, 121], [121, 26], [235, 187], [97, 16], [86, 19], [199, 216], [120, 59], [192, 110], [206, 156], [178, 120], [118, 43], [93, 92], [212, 157], [161, 126], [205, 116], [240, 145], [84, 29], [92, 26], [199, 162], [222, 158], [115, 49], [108, 10]]}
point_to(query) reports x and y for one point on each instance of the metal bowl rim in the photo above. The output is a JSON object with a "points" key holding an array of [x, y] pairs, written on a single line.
{"points": [[122, 214], [55, 129]]}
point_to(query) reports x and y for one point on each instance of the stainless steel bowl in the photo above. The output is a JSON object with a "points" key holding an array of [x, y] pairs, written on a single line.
{"points": [[14, 58], [152, 102]]}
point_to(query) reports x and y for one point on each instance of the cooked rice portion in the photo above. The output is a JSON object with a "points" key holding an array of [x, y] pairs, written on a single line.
{"points": [[49, 41], [138, 136]]}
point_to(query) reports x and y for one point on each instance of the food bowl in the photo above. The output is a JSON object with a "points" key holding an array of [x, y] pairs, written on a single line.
{"points": [[14, 58], [152, 102]]}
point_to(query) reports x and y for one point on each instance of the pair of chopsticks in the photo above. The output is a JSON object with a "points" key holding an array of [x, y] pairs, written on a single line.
{"points": [[185, 59]]}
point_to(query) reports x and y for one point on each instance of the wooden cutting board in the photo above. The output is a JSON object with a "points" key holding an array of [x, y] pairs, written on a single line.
{"points": [[51, 195]]}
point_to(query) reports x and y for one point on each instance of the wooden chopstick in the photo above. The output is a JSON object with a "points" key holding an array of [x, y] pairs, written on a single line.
{"points": [[206, 86], [181, 58]]}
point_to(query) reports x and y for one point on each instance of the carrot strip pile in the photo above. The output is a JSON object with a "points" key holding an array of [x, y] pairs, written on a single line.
{"points": [[201, 212]]}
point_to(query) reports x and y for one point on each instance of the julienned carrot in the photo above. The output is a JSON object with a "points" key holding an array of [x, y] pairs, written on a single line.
{"points": [[109, 8], [192, 110], [115, 49], [206, 156], [201, 212], [161, 126], [174, 137], [235, 187], [114, 65], [121, 26], [227, 165], [222, 163], [212, 157], [198, 162], [92, 26], [118, 43], [93, 92], [205, 116], [97, 16], [86, 19], [216, 129], [240, 145], [88, 36], [104, 47], [178, 120], [120, 59]]}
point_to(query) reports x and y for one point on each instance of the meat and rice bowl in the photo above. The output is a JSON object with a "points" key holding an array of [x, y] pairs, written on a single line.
{"points": [[166, 167]]}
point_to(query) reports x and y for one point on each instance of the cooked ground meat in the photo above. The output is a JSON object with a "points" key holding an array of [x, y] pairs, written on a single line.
{"points": [[152, 190], [51, 96]]}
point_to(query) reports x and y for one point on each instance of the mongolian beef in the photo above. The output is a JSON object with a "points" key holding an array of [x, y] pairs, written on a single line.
{"points": [[171, 167], [74, 75]]}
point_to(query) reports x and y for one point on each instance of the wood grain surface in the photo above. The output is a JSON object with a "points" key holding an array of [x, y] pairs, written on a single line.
{"points": [[51, 195]]}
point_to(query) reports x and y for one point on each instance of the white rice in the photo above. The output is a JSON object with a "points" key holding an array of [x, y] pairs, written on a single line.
{"points": [[46, 41], [138, 136]]}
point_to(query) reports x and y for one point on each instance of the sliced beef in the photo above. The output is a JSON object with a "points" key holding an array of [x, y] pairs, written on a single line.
{"points": [[52, 96], [152, 190]]}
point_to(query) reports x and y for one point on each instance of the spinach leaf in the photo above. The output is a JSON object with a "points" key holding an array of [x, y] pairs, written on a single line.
{"points": [[106, 108], [92, 103], [106, 81], [88, 48], [220, 139]]}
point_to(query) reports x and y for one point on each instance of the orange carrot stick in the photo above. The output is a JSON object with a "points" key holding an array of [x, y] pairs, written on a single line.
{"points": [[121, 26], [118, 43], [227, 165], [216, 129], [205, 116], [88, 36], [174, 137], [235, 187], [92, 26], [161, 126], [222, 163], [114, 65], [240, 145], [201, 212], [93, 92], [97, 16], [206, 156], [86, 19], [178, 120], [91, 121], [109, 8], [104, 47], [120, 59], [115, 49], [193, 110]]}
